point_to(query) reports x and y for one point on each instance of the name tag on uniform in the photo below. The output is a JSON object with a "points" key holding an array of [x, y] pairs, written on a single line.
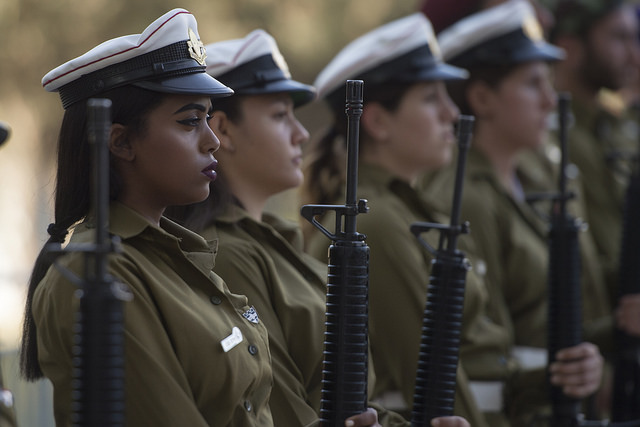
{"points": [[232, 340]]}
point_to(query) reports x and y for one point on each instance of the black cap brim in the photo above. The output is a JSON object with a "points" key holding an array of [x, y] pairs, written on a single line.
{"points": [[188, 84], [300, 93], [512, 48], [538, 52], [442, 71]]}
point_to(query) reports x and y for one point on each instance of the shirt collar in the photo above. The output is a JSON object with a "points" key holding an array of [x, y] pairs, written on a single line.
{"points": [[127, 223]]}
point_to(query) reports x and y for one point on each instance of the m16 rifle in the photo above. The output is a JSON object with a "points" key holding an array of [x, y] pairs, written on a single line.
{"points": [[346, 342], [98, 345], [565, 300], [435, 387]]}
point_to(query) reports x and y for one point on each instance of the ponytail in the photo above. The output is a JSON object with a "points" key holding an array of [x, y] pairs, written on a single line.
{"points": [[325, 168]]}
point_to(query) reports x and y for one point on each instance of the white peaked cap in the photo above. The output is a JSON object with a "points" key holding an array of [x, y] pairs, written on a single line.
{"points": [[406, 40], [254, 65], [504, 34], [226, 55], [166, 57]]}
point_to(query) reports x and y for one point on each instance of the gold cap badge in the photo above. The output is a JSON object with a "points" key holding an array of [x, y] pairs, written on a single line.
{"points": [[531, 28], [196, 48]]}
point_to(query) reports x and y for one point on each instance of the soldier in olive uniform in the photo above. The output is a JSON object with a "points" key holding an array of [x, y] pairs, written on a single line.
{"points": [[195, 354], [601, 43], [260, 254], [510, 93]]}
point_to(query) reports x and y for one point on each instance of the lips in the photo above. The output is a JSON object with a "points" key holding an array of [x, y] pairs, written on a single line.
{"points": [[210, 171]]}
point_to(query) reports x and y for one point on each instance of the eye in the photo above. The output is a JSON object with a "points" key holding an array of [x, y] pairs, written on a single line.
{"points": [[280, 114], [192, 121]]}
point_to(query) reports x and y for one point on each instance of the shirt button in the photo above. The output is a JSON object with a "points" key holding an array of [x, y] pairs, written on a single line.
{"points": [[248, 406], [216, 300], [253, 350]]}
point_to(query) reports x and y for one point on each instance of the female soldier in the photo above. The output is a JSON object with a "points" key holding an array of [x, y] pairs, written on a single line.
{"points": [[406, 131], [510, 94], [260, 254], [219, 372]]}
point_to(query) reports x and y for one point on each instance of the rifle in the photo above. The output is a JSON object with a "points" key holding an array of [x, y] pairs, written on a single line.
{"points": [[346, 342], [434, 392], [98, 344], [565, 300], [626, 357]]}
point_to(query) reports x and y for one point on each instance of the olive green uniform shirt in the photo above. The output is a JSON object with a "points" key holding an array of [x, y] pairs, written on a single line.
{"points": [[512, 238], [176, 370], [398, 277], [265, 261]]}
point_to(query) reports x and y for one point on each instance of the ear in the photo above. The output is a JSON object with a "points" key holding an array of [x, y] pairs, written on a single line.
{"points": [[119, 143], [480, 99], [223, 128], [375, 121]]}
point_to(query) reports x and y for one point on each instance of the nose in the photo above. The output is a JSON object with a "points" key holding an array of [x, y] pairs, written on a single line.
{"points": [[550, 96], [300, 133], [450, 111], [209, 141]]}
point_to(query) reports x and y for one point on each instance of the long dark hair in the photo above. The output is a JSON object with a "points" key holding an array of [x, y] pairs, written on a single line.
{"points": [[130, 107], [198, 216]]}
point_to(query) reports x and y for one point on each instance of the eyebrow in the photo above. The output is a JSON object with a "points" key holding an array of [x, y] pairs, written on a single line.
{"points": [[192, 106]]}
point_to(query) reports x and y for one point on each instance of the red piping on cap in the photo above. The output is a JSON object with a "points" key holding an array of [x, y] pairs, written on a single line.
{"points": [[118, 53]]}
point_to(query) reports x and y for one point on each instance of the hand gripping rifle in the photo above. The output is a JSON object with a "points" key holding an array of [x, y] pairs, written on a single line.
{"points": [[344, 370], [626, 357], [435, 387], [98, 343]]}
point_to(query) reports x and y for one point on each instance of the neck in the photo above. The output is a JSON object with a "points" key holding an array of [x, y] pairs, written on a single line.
{"points": [[147, 210], [252, 201], [376, 157]]}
